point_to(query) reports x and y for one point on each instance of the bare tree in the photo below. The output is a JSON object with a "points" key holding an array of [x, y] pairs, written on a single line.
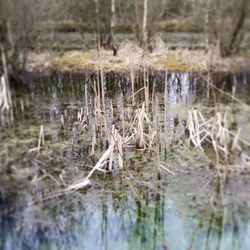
{"points": [[20, 22], [206, 25], [237, 36], [147, 14], [144, 24], [98, 39], [225, 24], [112, 24]]}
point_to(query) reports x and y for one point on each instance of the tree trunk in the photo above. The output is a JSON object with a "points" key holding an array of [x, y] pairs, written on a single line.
{"points": [[144, 24], [137, 25], [239, 25], [6, 107], [207, 24], [112, 24], [98, 43]]}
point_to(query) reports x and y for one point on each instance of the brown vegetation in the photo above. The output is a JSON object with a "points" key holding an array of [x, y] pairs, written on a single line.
{"points": [[180, 60]]}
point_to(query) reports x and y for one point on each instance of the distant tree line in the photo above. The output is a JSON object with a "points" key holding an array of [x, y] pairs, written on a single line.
{"points": [[222, 21]]}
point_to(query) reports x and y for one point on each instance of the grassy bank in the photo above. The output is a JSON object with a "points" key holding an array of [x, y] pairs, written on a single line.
{"points": [[131, 57]]}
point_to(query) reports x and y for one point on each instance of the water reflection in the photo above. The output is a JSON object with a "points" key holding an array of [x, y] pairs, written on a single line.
{"points": [[110, 215], [115, 220]]}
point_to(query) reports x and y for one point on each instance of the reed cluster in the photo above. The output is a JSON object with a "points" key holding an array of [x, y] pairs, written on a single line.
{"points": [[113, 153], [215, 134]]}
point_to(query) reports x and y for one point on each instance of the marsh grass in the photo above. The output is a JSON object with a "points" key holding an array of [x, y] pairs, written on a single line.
{"points": [[130, 58]]}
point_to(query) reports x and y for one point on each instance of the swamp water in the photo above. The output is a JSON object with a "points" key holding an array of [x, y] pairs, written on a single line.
{"points": [[182, 205]]}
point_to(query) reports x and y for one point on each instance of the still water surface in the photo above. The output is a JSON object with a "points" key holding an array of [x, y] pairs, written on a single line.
{"points": [[140, 208]]}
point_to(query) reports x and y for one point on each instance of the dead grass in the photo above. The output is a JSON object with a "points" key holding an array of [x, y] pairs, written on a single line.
{"points": [[77, 61], [130, 55], [179, 60]]}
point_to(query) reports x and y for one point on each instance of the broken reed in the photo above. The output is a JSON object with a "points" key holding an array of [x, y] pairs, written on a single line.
{"points": [[112, 154], [140, 133], [165, 101], [146, 86], [132, 79], [215, 133], [41, 141]]}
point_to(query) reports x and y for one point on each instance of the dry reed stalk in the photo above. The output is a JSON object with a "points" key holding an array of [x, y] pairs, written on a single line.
{"points": [[22, 105], [103, 99], [155, 111], [62, 121], [66, 113], [80, 115], [98, 89], [132, 78], [168, 170], [146, 87], [6, 104], [112, 144], [133, 95], [98, 99], [139, 138], [208, 84], [103, 89], [86, 99], [98, 113], [194, 129], [93, 143], [41, 141], [235, 144], [215, 132], [120, 152], [4, 96], [82, 120], [123, 121], [115, 147], [78, 185], [138, 125], [108, 156], [165, 101], [153, 94], [111, 110]]}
